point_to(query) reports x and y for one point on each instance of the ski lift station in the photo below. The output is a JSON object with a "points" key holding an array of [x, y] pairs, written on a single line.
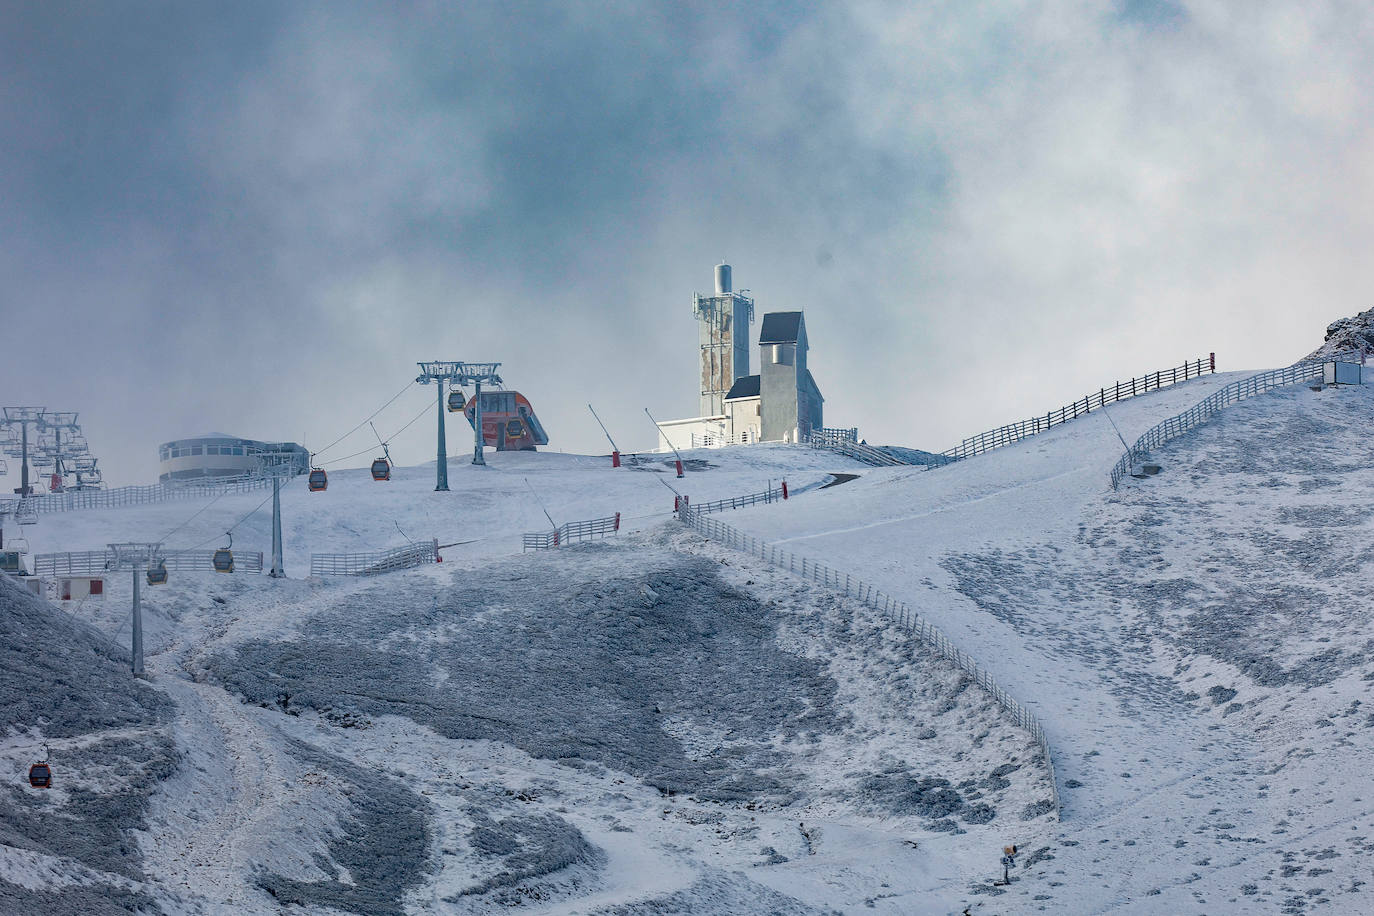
{"points": [[219, 455], [781, 403]]}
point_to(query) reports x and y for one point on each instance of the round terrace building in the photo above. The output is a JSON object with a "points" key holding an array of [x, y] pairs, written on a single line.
{"points": [[218, 455]]}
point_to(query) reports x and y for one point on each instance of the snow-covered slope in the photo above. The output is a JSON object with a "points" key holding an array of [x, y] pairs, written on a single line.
{"points": [[487, 508], [655, 724], [1196, 645]]}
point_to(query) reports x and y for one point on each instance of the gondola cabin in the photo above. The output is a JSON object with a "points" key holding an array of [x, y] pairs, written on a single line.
{"points": [[223, 560], [456, 400], [40, 776], [157, 575], [318, 480], [508, 422], [381, 469]]}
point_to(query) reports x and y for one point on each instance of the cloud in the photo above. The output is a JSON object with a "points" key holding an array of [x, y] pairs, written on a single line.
{"points": [[259, 219]]}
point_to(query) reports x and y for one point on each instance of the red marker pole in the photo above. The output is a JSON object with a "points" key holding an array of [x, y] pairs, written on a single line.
{"points": [[615, 459], [617, 521], [784, 489], [679, 467]]}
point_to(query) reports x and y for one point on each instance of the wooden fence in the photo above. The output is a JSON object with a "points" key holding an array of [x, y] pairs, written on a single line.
{"points": [[898, 611], [1175, 426], [1117, 391]]}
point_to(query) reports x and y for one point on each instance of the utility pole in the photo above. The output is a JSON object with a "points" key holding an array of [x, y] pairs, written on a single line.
{"points": [[458, 374]]}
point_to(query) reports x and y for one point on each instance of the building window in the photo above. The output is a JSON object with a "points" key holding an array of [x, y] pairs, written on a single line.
{"points": [[196, 450]]}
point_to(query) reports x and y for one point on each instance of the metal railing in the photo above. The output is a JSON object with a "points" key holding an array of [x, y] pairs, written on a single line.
{"points": [[1303, 371], [897, 611], [1118, 391], [828, 435], [572, 531], [776, 494], [852, 449], [75, 500], [98, 562], [707, 440], [374, 562]]}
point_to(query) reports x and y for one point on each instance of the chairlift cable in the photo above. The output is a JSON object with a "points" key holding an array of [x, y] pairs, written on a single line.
{"points": [[193, 515], [229, 531], [428, 408], [365, 421]]}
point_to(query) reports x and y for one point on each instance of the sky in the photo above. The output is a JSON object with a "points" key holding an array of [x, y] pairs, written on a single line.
{"points": [[257, 217]]}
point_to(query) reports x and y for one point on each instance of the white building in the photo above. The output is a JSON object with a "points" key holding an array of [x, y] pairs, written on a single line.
{"points": [[219, 455]]}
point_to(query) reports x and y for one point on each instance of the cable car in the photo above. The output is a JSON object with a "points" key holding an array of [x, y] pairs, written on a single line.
{"points": [[223, 560], [157, 575], [319, 480], [40, 776], [381, 469], [456, 400]]}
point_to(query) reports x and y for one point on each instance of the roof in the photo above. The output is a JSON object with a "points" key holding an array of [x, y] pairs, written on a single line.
{"points": [[746, 386], [780, 327], [815, 389]]}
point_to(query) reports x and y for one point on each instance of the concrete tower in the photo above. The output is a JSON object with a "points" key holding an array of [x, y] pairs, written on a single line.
{"points": [[723, 322]]}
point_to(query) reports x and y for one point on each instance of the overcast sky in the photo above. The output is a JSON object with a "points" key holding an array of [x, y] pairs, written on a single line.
{"points": [[256, 217]]}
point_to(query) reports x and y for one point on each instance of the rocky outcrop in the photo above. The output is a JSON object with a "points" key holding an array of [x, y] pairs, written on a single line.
{"points": [[1348, 334]]}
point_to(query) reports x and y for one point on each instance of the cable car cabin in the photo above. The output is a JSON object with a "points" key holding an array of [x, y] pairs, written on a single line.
{"points": [[40, 776], [456, 400], [157, 575], [508, 422], [223, 560], [318, 480], [381, 469], [12, 562]]}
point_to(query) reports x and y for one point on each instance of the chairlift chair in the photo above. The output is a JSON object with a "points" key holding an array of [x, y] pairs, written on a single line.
{"points": [[40, 776], [223, 560], [381, 469], [25, 513], [157, 575], [318, 481]]}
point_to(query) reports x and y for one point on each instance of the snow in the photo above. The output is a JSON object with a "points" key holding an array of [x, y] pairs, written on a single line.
{"points": [[657, 724]]}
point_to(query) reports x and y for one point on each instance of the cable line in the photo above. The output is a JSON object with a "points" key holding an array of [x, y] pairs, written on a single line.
{"points": [[428, 408], [365, 421]]}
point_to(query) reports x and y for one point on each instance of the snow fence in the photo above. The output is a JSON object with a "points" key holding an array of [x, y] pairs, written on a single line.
{"points": [[898, 611], [566, 533], [99, 562], [375, 562], [1307, 370], [74, 500]]}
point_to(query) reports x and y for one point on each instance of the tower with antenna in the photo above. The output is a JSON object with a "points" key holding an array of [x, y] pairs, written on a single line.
{"points": [[723, 322]]}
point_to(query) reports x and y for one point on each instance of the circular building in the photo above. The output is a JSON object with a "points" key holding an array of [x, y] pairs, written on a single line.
{"points": [[218, 455]]}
